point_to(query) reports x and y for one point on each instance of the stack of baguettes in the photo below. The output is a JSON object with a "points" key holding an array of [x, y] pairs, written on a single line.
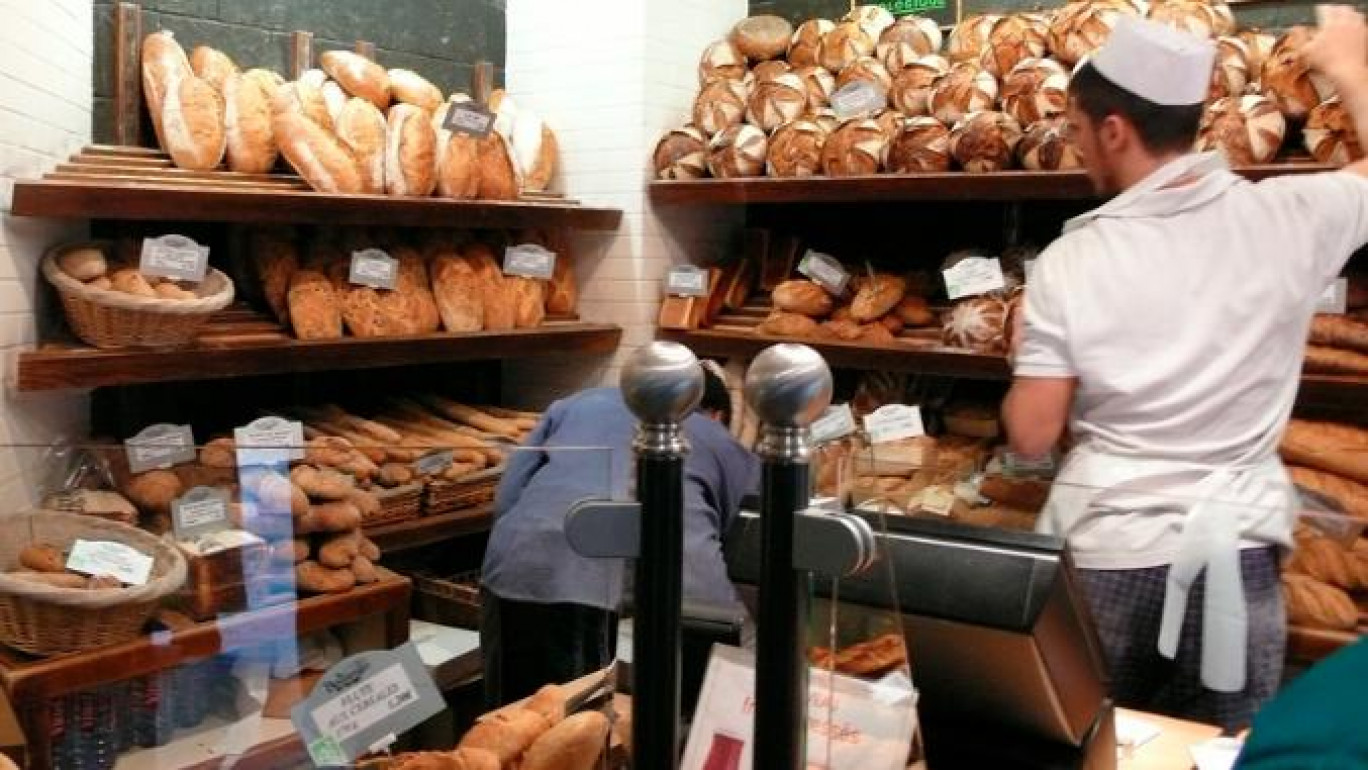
{"points": [[350, 127], [1339, 343]]}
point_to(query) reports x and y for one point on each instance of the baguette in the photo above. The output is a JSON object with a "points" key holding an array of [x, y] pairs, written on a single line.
{"points": [[470, 416], [1351, 495], [369, 427], [1325, 360], [1339, 331], [513, 414], [1330, 447]]}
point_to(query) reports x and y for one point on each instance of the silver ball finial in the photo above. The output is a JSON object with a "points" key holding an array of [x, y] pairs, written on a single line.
{"points": [[788, 385], [662, 383]]}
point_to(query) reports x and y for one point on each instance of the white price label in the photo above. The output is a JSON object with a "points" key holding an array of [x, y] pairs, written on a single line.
{"points": [[894, 422], [175, 257], [1335, 298], [825, 271], [836, 422], [160, 446], [686, 281], [938, 500], [469, 118], [973, 276], [269, 441], [530, 261], [858, 98], [434, 462], [200, 511], [101, 557], [373, 268], [366, 704]]}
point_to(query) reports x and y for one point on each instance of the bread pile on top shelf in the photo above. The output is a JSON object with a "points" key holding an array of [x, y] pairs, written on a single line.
{"points": [[446, 281], [869, 93], [350, 127], [1339, 343]]}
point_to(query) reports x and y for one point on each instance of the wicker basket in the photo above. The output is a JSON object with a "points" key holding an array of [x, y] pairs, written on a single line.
{"points": [[47, 620], [113, 319]]}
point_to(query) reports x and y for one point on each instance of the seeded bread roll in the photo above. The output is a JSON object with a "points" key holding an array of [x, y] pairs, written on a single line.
{"points": [[410, 153], [877, 297], [359, 76], [193, 124], [130, 281], [364, 130]]}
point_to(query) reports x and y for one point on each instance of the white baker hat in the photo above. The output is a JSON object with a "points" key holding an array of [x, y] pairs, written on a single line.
{"points": [[1156, 62]]}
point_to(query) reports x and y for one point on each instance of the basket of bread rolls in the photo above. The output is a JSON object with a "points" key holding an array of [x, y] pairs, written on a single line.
{"points": [[110, 304], [48, 609]]}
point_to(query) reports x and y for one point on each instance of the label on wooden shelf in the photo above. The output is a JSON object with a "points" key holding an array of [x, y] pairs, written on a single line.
{"points": [[530, 261], [469, 118], [836, 422], [686, 281], [825, 270], [102, 557], [857, 99], [894, 422], [373, 268], [1335, 298], [269, 441], [174, 256], [160, 446], [433, 463], [201, 511], [973, 276]]}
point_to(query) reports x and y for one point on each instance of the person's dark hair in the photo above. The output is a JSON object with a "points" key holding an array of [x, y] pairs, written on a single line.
{"points": [[715, 396], [1162, 128]]}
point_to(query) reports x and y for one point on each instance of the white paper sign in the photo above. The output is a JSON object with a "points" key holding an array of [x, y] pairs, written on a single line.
{"points": [[198, 512], [269, 441], [101, 557], [175, 257], [1335, 298], [836, 422], [686, 281], [852, 724], [373, 268], [937, 499], [529, 261], [894, 422], [973, 276], [434, 462], [160, 446], [1014, 464], [469, 118], [825, 270], [858, 98], [365, 704]]}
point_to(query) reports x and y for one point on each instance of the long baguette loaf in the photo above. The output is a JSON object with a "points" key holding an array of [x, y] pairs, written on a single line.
{"points": [[1326, 446], [1351, 495], [470, 416], [1339, 331], [369, 427], [1326, 360]]}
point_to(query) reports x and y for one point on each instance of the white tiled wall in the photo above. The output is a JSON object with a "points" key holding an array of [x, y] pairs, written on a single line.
{"points": [[610, 76], [45, 104]]}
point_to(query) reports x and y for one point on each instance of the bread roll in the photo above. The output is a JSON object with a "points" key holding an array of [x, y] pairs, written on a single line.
{"points": [[411, 88], [1326, 446], [1330, 135], [912, 84], [1260, 45], [498, 175], [212, 66], [1035, 89], [1247, 129], [976, 324], [913, 311], [1326, 360], [1230, 76], [363, 129], [819, 85], [985, 141], [773, 68], [410, 152], [682, 153], [970, 37], [720, 105], [782, 324], [249, 141], [1349, 494], [795, 149], [776, 101], [193, 124], [844, 44], [457, 156], [1013, 39], [1313, 603], [761, 38], [738, 151], [315, 309], [877, 297], [842, 329], [825, 119], [1046, 147], [83, 264], [317, 154], [802, 296], [858, 147], [805, 48], [1189, 16], [574, 744], [1287, 77], [163, 62], [302, 98], [721, 59], [921, 146], [907, 40], [875, 19], [359, 76], [129, 281], [966, 88], [1082, 26]]}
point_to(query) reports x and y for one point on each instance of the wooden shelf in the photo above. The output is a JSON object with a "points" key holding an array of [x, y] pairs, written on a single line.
{"points": [[416, 533], [218, 355], [949, 186], [26, 678], [1333, 390]]}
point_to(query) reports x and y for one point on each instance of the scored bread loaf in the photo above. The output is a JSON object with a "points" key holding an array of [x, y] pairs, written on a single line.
{"points": [[500, 306], [866, 69], [682, 153], [859, 146], [163, 62], [213, 66], [738, 151], [363, 129], [410, 166], [770, 69], [358, 75], [721, 59], [315, 310], [906, 40], [458, 290], [457, 156], [806, 45], [317, 154], [912, 84], [795, 149], [1231, 74], [1351, 495], [802, 296], [874, 18], [965, 89], [411, 88], [1189, 16], [877, 297], [720, 104], [1046, 147], [531, 142], [844, 44], [776, 101], [1288, 79], [302, 98], [819, 85], [1330, 135], [1080, 28], [1327, 446], [574, 744], [1340, 332], [1035, 89], [193, 125], [1313, 603], [914, 311], [507, 733], [562, 295], [970, 37], [336, 99], [1327, 561], [1246, 129], [1260, 45], [921, 146], [498, 174], [1013, 39], [985, 141], [783, 324], [249, 142]]}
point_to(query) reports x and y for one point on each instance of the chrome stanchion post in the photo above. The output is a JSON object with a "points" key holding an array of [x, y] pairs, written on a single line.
{"points": [[788, 386], [662, 383]]}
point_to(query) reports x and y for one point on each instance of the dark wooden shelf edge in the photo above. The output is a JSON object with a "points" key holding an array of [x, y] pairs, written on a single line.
{"points": [[1334, 391], [285, 751], [113, 200], [948, 186], [407, 535], [53, 369]]}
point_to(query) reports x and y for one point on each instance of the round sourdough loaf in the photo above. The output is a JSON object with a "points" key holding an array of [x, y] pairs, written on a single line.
{"points": [[921, 146], [805, 48], [985, 141]]}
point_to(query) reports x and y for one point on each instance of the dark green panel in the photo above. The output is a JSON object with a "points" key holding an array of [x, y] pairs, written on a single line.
{"points": [[248, 46]]}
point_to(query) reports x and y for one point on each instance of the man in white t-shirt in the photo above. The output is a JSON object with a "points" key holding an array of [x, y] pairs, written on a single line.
{"points": [[1165, 329]]}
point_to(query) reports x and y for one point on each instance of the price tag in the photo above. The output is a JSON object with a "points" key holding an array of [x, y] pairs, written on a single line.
{"points": [[373, 268], [269, 441], [160, 446], [825, 270], [529, 261], [938, 500], [894, 422], [201, 511], [973, 276], [836, 422], [686, 281], [434, 462], [101, 557], [175, 257], [1335, 298], [469, 118], [363, 701], [1014, 464], [858, 98]]}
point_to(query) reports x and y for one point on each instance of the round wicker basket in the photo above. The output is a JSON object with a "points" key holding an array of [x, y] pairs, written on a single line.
{"points": [[47, 620], [114, 319]]}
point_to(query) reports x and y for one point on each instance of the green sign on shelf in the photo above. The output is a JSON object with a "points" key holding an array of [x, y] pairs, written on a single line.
{"points": [[904, 7]]}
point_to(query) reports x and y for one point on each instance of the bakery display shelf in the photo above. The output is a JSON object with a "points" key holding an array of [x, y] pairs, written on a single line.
{"points": [[239, 342], [947, 186], [416, 533], [1310, 645], [1334, 390], [28, 678], [132, 183]]}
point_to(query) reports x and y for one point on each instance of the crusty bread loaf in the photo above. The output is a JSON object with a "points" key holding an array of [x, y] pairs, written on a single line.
{"points": [[802, 296], [574, 744], [315, 312], [531, 143], [212, 66], [302, 98], [163, 62], [363, 129], [1351, 495], [336, 99], [317, 154], [411, 88], [784, 324], [1339, 331], [193, 124], [358, 75], [1326, 446], [1327, 561], [506, 733], [681, 313], [498, 174], [562, 296], [530, 301], [459, 293], [415, 287], [410, 155], [249, 140], [1325, 360], [500, 307], [83, 264], [877, 297], [457, 156], [1313, 603], [277, 259], [130, 281]]}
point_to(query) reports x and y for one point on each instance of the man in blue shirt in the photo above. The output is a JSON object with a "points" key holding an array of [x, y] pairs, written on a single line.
{"points": [[548, 614]]}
